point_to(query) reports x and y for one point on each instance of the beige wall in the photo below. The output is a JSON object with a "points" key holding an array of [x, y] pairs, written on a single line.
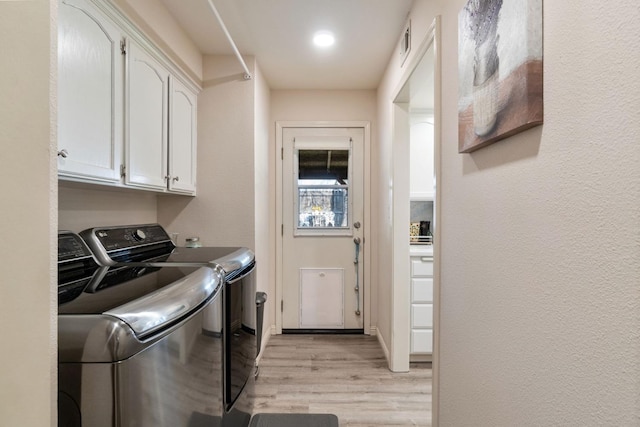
{"points": [[80, 207], [153, 18], [28, 308], [323, 105], [264, 159], [540, 258], [540, 262]]}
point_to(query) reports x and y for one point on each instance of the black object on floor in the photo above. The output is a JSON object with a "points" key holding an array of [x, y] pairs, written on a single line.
{"points": [[294, 420], [198, 419]]}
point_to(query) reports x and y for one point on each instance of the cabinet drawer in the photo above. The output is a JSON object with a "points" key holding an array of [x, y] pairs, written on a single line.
{"points": [[422, 315], [422, 341], [421, 267], [422, 290]]}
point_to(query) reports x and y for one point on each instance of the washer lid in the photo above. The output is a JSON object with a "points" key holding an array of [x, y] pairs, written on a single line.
{"points": [[165, 306], [112, 287]]}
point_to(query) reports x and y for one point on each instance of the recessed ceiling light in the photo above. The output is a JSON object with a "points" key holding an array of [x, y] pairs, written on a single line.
{"points": [[323, 38]]}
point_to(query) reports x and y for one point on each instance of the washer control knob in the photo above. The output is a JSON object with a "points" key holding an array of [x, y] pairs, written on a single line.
{"points": [[139, 235]]}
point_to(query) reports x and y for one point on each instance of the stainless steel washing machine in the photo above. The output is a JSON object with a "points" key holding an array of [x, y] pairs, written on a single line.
{"points": [[137, 345], [238, 313]]}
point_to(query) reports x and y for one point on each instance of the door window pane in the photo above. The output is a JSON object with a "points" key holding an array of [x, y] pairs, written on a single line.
{"points": [[323, 188]]}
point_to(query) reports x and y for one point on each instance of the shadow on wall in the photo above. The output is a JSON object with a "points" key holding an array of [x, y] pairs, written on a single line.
{"points": [[518, 147], [169, 210]]}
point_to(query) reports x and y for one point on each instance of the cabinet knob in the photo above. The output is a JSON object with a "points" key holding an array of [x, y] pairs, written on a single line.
{"points": [[176, 178], [63, 153]]}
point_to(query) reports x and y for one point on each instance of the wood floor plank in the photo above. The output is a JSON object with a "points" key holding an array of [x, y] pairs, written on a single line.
{"points": [[345, 375]]}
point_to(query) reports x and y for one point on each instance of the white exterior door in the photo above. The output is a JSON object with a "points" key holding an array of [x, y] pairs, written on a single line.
{"points": [[323, 213]]}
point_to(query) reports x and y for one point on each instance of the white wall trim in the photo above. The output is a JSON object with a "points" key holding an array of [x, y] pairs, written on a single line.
{"points": [[401, 274], [383, 345]]}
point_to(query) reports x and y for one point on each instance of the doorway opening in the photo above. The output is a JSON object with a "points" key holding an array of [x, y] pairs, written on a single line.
{"points": [[417, 239]]}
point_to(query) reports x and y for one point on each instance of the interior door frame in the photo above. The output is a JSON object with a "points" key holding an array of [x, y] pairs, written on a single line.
{"points": [[401, 273], [366, 253]]}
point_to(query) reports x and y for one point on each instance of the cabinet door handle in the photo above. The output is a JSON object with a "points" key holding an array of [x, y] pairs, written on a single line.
{"points": [[63, 153], [176, 178], [426, 259]]}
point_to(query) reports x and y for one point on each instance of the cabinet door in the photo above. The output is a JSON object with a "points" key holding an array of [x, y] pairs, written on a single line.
{"points": [[147, 114], [422, 315], [182, 138], [421, 166], [90, 79], [421, 341], [422, 290], [421, 267]]}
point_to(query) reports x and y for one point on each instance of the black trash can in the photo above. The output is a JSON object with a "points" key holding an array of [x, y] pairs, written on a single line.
{"points": [[261, 298]]}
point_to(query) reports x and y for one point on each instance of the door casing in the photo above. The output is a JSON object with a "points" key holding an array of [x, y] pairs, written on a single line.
{"points": [[365, 281]]}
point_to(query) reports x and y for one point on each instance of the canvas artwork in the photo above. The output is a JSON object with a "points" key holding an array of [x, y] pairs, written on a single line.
{"points": [[500, 70]]}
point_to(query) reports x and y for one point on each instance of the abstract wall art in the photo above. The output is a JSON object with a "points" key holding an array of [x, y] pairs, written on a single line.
{"points": [[500, 70]]}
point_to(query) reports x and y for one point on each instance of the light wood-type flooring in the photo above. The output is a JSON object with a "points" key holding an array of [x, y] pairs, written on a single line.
{"points": [[345, 375]]}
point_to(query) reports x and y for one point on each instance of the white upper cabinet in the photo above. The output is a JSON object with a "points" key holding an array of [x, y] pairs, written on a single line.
{"points": [[421, 164], [182, 138], [90, 79], [147, 123], [127, 114]]}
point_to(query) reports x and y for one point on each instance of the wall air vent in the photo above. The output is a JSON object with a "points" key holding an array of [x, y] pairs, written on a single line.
{"points": [[405, 42]]}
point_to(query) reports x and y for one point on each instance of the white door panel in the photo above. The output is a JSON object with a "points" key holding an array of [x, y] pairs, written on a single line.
{"points": [[148, 90], [90, 79], [182, 141]]}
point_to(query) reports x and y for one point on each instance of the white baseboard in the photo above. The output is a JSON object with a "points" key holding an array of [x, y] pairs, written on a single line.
{"points": [[385, 349]]}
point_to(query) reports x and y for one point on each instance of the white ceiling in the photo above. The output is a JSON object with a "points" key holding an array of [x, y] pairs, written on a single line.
{"points": [[279, 32]]}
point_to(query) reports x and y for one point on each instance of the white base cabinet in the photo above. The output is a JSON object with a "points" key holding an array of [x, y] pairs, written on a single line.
{"points": [[421, 305], [127, 115]]}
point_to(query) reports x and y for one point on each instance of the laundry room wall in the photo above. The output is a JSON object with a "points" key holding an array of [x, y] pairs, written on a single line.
{"points": [[539, 319], [81, 208], [329, 105], [28, 268], [265, 209], [223, 212]]}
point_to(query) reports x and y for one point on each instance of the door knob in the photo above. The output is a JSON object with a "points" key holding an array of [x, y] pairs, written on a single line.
{"points": [[356, 224]]}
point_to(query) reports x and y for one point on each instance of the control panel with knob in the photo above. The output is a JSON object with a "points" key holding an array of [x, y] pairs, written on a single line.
{"points": [[139, 235], [110, 244]]}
